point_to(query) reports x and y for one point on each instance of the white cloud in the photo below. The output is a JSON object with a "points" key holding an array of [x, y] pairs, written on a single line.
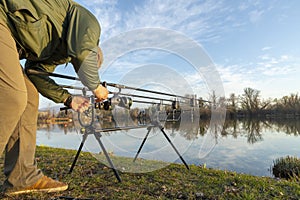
{"points": [[266, 48], [276, 66], [236, 78], [274, 76], [198, 19]]}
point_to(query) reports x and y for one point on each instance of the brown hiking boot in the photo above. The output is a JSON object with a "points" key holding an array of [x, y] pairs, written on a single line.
{"points": [[44, 184]]}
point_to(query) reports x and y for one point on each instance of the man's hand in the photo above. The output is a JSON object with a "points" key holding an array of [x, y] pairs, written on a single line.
{"points": [[101, 93], [80, 103]]}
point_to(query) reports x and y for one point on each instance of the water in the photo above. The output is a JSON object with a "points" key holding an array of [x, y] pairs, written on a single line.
{"points": [[248, 147]]}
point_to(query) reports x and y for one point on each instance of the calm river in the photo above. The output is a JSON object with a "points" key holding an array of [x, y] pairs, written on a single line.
{"points": [[243, 146]]}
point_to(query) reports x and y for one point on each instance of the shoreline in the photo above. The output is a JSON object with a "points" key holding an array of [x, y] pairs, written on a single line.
{"points": [[93, 180]]}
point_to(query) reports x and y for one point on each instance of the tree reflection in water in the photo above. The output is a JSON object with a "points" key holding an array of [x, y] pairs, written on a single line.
{"points": [[250, 128]]}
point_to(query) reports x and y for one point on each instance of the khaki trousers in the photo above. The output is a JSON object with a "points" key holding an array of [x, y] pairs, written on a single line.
{"points": [[18, 116]]}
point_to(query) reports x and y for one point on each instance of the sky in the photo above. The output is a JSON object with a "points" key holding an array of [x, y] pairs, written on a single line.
{"points": [[250, 43]]}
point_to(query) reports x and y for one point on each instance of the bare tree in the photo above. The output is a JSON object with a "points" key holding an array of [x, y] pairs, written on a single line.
{"points": [[250, 100]]}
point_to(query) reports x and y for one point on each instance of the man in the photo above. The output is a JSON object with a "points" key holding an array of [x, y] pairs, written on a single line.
{"points": [[46, 34]]}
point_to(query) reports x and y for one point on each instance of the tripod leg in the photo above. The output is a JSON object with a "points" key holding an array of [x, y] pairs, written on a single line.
{"points": [[78, 152], [97, 136], [166, 136], [138, 152]]}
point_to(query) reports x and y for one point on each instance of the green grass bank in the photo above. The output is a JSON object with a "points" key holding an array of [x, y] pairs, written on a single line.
{"points": [[93, 180]]}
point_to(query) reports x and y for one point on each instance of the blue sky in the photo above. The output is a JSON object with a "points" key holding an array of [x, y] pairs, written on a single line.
{"points": [[252, 43]]}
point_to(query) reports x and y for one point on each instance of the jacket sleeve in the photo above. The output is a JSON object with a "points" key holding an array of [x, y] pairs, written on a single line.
{"points": [[45, 85], [82, 40]]}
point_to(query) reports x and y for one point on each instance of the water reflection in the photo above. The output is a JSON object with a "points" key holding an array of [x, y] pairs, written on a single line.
{"points": [[247, 146], [251, 129], [254, 129], [66, 127]]}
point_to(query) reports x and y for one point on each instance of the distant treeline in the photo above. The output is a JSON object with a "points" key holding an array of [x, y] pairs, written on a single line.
{"points": [[251, 105], [48, 114]]}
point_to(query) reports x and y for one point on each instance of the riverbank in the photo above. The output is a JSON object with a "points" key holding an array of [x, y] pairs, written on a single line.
{"points": [[93, 180]]}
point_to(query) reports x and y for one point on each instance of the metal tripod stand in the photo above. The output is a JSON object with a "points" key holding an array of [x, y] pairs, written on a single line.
{"points": [[97, 134], [157, 124]]}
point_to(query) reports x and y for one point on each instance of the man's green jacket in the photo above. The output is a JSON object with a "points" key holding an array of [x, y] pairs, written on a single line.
{"points": [[53, 32]]}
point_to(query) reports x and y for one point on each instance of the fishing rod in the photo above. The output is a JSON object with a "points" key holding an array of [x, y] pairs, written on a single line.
{"points": [[44, 73], [118, 86]]}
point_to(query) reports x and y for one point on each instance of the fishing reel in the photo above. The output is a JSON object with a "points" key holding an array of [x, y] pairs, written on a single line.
{"points": [[116, 100], [87, 117]]}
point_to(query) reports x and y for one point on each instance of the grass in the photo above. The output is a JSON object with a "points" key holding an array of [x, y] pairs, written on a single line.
{"points": [[287, 167], [93, 180]]}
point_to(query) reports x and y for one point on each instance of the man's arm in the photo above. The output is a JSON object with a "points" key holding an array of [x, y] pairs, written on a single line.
{"points": [[82, 41], [44, 84]]}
